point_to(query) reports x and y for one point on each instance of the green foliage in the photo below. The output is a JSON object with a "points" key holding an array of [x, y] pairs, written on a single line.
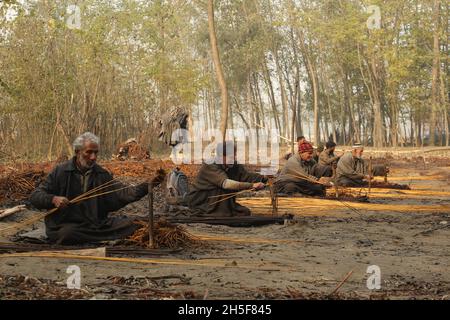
{"points": [[132, 60]]}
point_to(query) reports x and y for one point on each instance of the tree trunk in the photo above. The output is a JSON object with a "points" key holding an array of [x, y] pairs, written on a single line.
{"points": [[218, 67], [435, 73], [284, 102], [272, 98], [314, 86]]}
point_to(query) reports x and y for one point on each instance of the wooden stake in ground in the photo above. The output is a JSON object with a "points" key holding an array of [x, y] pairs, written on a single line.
{"points": [[151, 238], [333, 167], [385, 171], [370, 174], [273, 198]]}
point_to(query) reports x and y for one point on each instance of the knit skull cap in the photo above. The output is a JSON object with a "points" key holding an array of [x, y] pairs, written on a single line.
{"points": [[305, 147]]}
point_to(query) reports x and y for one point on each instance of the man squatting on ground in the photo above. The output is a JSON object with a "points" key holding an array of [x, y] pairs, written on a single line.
{"points": [[328, 160], [88, 220], [221, 178], [353, 171], [302, 164]]}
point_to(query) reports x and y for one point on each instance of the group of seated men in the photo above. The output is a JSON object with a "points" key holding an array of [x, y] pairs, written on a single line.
{"points": [[303, 174], [89, 221]]}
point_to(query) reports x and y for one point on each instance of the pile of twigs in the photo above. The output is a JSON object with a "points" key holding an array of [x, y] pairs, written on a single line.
{"points": [[144, 168], [131, 149], [166, 235], [17, 186]]}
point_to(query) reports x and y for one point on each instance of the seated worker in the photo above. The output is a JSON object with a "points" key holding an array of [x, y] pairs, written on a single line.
{"points": [[328, 160], [353, 171], [85, 221], [317, 152], [214, 182], [300, 175]]}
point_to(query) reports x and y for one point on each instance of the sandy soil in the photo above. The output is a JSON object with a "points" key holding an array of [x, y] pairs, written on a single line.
{"points": [[304, 259]]}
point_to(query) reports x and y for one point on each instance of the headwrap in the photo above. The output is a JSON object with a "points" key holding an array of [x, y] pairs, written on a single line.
{"points": [[305, 147]]}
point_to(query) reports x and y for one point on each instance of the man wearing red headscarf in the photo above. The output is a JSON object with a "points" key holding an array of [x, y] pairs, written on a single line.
{"points": [[301, 174]]}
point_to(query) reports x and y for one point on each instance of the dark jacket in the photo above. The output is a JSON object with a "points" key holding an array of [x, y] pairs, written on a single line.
{"points": [[92, 214], [204, 197]]}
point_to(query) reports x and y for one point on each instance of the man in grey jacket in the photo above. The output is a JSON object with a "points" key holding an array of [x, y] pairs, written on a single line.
{"points": [[353, 171], [300, 174]]}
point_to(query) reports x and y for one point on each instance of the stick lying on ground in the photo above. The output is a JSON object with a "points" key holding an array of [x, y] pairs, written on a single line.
{"points": [[341, 283], [213, 263], [10, 211], [109, 250]]}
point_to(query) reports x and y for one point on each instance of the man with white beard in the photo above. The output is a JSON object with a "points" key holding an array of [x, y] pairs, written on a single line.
{"points": [[86, 221], [353, 171]]}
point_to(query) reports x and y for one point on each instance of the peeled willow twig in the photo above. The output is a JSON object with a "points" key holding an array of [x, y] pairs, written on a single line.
{"points": [[98, 188], [90, 195], [230, 195]]}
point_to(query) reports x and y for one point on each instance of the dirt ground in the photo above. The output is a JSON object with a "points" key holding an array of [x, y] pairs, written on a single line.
{"points": [[305, 259]]}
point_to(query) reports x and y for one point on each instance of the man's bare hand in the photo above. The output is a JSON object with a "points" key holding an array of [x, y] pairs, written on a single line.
{"points": [[60, 202], [325, 181], [258, 186], [368, 177]]}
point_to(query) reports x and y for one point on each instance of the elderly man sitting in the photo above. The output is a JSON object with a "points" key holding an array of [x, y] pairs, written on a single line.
{"points": [[86, 221], [301, 175], [353, 171]]}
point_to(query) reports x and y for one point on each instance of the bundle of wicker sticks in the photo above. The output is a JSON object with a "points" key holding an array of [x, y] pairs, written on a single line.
{"points": [[167, 235], [17, 186]]}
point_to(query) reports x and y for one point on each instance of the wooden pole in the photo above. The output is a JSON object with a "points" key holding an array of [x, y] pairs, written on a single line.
{"points": [[333, 167], [151, 239], [370, 174], [274, 199]]}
